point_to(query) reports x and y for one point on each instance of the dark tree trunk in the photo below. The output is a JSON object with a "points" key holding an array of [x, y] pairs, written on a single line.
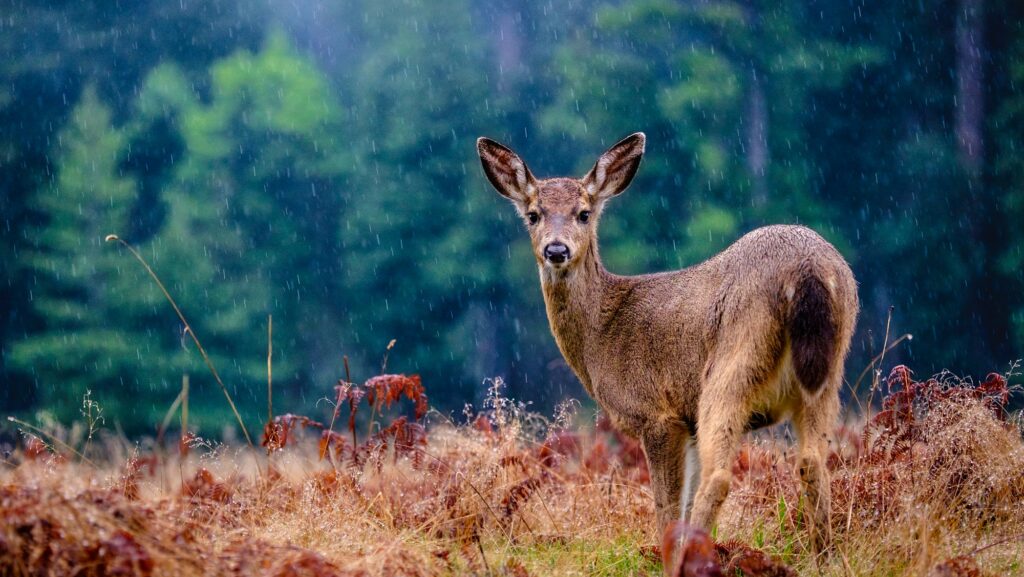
{"points": [[969, 75], [757, 140], [988, 299], [486, 361], [508, 44]]}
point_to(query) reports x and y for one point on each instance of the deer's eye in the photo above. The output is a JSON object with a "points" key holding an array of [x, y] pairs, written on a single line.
{"points": [[532, 217], [584, 216]]}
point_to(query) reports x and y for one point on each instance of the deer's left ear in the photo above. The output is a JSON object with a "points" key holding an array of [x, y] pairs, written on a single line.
{"points": [[616, 168]]}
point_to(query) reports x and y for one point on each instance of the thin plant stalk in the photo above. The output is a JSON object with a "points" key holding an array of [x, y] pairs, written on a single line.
{"points": [[88, 405], [167, 417], [1010, 539], [52, 438], [188, 330], [876, 375], [184, 406], [334, 415], [270, 368], [351, 403], [348, 376], [184, 428], [373, 415], [376, 397], [384, 362], [877, 360]]}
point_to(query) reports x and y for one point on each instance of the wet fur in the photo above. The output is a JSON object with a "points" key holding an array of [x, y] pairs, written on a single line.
{"points": [[753, 335]]}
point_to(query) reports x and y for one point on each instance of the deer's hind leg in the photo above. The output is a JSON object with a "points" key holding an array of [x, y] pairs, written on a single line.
{"points": [[814, 420], [733, 379], [719, 429], [691, 480]]}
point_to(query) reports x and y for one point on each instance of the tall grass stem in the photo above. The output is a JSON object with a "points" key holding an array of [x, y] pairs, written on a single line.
{"points": [[188, 330]]}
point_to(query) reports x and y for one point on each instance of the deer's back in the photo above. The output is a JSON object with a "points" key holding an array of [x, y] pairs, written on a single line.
{"points": [[659, 331]]}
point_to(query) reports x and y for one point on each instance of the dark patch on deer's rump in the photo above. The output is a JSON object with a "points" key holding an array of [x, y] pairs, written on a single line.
{"points": [[812, 333]]}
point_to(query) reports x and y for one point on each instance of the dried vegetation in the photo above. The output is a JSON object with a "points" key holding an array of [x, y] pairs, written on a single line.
{"points": [[931, 485]]}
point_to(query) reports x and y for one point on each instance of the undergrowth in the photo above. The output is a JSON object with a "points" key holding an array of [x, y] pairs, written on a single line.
{"points": [[932, 484]]}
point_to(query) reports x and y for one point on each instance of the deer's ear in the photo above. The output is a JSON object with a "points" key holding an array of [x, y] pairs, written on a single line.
{"points": [[506, 171], [616, 168]]}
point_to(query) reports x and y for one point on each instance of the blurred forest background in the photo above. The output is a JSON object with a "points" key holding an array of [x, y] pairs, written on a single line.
{"points": [[315, 160]]}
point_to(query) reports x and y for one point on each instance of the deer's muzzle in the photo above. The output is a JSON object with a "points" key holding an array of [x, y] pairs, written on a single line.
{"points": [[556, 253]]}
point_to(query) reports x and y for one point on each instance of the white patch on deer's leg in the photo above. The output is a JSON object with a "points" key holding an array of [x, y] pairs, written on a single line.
{"points": [[691, 478]]}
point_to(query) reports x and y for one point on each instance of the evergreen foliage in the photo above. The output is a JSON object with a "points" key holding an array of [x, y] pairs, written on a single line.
{"points": [[317, 163], [99, 312]]}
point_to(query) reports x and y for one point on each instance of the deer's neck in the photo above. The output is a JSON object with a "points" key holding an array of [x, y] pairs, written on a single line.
{"points": [[574, 302]]}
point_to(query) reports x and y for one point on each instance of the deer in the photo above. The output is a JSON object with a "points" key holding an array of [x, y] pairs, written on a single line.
{"points": [[688, 361]]}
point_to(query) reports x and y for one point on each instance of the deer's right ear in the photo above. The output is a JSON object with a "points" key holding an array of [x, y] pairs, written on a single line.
{"points": [[506, 171]]}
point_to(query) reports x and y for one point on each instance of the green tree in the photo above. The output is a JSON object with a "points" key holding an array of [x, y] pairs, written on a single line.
{"points": [[1007, 127], [723, 89], [253, 209], [95, 304], [52, 51], [425, 266], [926, 226]]}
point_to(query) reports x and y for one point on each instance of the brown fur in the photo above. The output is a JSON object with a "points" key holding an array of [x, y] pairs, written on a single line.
{"points": [[755, 334]]}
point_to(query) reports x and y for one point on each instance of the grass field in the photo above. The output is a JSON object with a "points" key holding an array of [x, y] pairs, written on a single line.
{"points": [[933, 484]]}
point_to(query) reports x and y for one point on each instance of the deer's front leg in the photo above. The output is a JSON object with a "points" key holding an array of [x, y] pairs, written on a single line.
{"points": [[665, 446]]}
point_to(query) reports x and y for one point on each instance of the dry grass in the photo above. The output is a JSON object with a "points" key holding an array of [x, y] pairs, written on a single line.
{"points": [[934, 484], [938, 475]]}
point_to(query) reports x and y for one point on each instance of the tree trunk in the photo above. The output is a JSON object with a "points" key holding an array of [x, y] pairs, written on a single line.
{"points": [[757, 140], [969, 75], [508, 44], [485, 362]]}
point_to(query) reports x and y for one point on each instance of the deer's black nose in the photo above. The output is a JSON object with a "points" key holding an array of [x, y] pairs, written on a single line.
{"points": [[556, 252]]}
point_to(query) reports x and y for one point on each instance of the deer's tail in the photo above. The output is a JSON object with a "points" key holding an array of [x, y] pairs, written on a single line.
{"points": [[813, 331]]}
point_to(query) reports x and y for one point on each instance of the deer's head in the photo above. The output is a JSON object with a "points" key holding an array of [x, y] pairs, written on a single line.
{"points": [[561, 214]]}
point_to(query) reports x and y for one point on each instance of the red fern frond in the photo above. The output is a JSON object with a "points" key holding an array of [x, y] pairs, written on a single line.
{"points": [[386, 389], [332, 440], [519, 494], [277, 432]]}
